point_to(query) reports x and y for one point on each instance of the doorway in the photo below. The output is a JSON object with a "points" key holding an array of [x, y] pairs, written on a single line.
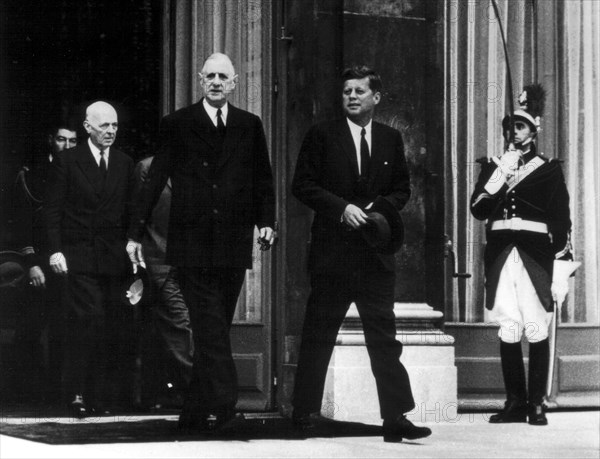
{"points": [[314, 42], [57, 57]]}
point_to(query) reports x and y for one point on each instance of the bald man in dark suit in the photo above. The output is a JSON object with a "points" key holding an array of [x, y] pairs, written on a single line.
{"points": [[85, 214]]}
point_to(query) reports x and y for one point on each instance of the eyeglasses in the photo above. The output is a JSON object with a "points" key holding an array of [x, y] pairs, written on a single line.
{"points": [[213, 76]]}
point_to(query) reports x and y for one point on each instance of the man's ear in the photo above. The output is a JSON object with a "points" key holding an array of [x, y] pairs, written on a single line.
{"points": [[235, 79], [50, 139], [377, 97]]}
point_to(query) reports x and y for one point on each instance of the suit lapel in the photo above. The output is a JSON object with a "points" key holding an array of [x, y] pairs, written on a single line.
{"points": [[377, 150], [90, 169], [202, 125], [345, 138], [114, 170], [233, 133]]}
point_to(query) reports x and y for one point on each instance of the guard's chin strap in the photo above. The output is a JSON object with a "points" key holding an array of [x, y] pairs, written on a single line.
{"points": [[528, 140], [522, 144]]}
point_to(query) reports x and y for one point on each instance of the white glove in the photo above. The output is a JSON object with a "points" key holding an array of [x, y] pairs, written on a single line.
{"points": [[509, 162], [58, 263], [134, 250], [507, 165], [559, 292], [563, 270]]}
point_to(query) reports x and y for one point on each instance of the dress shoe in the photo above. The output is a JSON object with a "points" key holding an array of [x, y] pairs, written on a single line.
{"points": [[99, 410], [302, 421], [536, 415], [77, 408], [395, 430], [514, 411], [228, 422]]}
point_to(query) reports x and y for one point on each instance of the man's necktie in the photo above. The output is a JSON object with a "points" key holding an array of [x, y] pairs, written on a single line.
{"points": [[102, 166], [365, 157], [220, 124]]}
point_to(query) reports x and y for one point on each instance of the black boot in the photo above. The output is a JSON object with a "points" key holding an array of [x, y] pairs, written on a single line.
{"points": [[513, 371], [539, 360]]}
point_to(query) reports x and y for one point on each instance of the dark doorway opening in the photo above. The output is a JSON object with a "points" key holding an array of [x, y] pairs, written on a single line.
{"points": [[56, 57]]}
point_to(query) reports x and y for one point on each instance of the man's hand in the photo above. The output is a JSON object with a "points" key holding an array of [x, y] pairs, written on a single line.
{"points": [[354, 217], [559, 292], [36, 277], [266, 237], [58, 263], [134, 251]]}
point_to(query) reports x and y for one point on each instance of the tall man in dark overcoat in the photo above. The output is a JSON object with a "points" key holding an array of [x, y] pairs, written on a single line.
{"points": [[170, 314], [222, 188], [85, 214], [344, 167]]}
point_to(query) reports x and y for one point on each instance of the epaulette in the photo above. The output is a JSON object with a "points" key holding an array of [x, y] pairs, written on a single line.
{"points": [[543, 158]]}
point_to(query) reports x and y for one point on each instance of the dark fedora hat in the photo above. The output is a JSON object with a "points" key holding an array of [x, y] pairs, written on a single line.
{"points": [[384, 230], [137, 289], [12, 269]]}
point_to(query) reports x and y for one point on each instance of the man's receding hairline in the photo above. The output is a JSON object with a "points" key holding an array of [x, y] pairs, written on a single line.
{"points": [[219, 57], [98, 107]]}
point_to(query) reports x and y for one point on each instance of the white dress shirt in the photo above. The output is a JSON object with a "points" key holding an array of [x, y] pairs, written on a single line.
{"points": [[96, 153], [355, 131], [212, 112]]}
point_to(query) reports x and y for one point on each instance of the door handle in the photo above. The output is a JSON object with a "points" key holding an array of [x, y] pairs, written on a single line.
{"points": [[284, 37], [449, 253]]}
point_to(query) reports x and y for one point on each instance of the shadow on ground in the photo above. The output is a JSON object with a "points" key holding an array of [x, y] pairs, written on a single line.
{"points": [[162, 430]]}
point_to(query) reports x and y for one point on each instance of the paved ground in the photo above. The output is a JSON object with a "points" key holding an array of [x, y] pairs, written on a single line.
{"points": [[568, 435]]}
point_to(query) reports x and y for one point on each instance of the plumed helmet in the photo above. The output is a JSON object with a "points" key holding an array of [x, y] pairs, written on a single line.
{"points": [[531, 107]]}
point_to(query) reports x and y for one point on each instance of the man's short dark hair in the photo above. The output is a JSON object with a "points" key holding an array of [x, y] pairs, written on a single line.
{"points": [[68, 124], [358, 72]]}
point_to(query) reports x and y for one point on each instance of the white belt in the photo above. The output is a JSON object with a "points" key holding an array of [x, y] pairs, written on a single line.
{"points": [[518, 224]]}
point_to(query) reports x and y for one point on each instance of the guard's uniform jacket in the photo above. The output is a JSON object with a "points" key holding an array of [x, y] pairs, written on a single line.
{"points": [[27, 202], [531, 214]]}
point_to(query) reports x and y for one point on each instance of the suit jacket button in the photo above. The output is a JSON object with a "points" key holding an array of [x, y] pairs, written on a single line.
{"points": [[205, 163], [214, 186], [215, 211]]}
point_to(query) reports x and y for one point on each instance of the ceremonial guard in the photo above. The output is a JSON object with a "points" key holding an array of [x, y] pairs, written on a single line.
{"points": [[524, 199], [39, 334]]}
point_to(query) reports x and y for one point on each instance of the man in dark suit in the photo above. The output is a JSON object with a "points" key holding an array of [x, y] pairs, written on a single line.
{"points": [[342, 168], [169, 314], [216, 156], [85, 215]]}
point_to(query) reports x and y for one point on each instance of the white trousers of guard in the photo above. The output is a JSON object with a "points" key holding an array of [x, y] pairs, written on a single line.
{"points": [[517, 308]]}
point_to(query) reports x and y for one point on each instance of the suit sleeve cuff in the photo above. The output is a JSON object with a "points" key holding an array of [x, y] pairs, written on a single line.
{"points": [[494, 185]]}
